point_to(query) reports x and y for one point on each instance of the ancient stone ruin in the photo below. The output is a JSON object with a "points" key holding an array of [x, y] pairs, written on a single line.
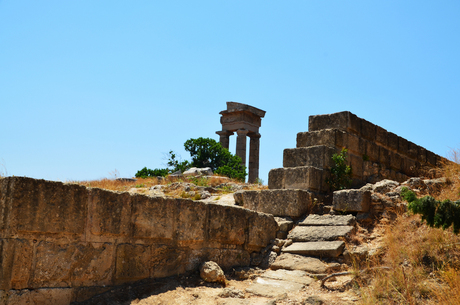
{"points": [[373, 152], [63, 243], [245, 120]]}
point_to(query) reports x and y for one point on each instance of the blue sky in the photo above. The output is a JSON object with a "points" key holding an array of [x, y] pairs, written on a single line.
{"points": [[90, 87]]}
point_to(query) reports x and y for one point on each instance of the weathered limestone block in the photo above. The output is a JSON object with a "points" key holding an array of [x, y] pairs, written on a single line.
{"points": [[319, 233], [341, 120], [44, 206], [297, 262], [110, 213], [53, 265], [16, 257], [372, 151], [262, 229], [228, 258], [93, 264], [352, 200], [381, 136], [368, 130], [284, 223], [191, 222], [303, 177], [317, 156], [168, 260], [328, 220], [132, 262], [153, 217], [316, 248], [227, 224], [403, 146], [392, 142], [292, 203], [328, 137]]}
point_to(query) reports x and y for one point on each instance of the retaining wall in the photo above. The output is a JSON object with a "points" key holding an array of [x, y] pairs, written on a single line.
{"points": [[374, 152], [63, 243]]}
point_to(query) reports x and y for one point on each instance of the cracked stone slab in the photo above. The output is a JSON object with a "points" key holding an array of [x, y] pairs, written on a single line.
{"points": [[296, 276], [270, 288], [319, 233], [308, 264], [328, 220], [319, 248], [252, 301]]}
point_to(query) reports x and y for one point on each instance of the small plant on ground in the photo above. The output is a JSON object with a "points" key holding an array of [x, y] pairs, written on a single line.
{"points": [[437, 214], [340, 177]]}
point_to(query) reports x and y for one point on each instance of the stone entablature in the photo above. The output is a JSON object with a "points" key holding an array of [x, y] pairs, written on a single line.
{"points": [[64, 243], [245, 120]]}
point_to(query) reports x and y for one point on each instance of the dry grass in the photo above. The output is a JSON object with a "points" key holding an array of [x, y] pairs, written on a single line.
{"points": [[451, 170], [123, 186], [423, 263]]}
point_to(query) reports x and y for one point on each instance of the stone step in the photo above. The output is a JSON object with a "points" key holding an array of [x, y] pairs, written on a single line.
{"points": [[319, 233], [318, 248], [318, 156], [328, 220], [282, 203], [303, 178]]}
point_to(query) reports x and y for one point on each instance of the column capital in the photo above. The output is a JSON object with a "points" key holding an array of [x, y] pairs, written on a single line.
{"points": [[242, 132], [254, 135], [224, 133]]}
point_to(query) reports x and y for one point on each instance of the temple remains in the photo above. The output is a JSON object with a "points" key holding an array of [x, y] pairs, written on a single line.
{"points": [[245, 120]]}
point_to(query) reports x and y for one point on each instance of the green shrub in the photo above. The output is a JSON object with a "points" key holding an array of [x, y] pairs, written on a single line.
{"points": [[437, 214], [157, 172], [340, 172], [206, 152]]}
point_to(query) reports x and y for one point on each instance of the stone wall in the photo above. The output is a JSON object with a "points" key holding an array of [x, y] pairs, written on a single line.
{"points": [[374, 153], [61, 243]]}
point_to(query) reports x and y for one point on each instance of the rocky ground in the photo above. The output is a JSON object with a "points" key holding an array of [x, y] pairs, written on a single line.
{"points": [[291, 278]]}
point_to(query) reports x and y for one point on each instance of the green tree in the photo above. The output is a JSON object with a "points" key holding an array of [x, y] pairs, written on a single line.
{"points": [[206, 152]]}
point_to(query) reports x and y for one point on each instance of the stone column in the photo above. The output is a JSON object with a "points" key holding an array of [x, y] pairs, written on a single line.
{"points": [[224, 138], [241, 145], [254, 157]]}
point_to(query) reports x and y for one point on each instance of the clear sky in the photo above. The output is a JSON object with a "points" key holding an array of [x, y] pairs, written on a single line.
{"points": [[90, 87]]}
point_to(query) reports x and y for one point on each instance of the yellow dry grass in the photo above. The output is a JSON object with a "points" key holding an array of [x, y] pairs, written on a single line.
{"points": [[424, 262]]}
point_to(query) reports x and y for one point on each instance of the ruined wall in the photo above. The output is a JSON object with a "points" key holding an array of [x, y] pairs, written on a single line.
{"points": [[61, 243], [374, 153]]}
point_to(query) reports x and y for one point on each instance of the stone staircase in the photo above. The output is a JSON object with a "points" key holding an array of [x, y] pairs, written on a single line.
{"points": [[320, 235], [298, 191]]}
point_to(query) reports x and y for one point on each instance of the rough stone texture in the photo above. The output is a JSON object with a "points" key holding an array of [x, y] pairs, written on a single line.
{"points": [[327, 220], [319, 233], [55, 236], [270, 288], [303, 177], [318, 156], [290, 261], [352, 200], [211, 272], [320, 248], [283, 203], [195, 171], [284, 223], [297, 276]]}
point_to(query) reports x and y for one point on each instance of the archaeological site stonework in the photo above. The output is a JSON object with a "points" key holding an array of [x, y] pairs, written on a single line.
{"points": [[245, 120], [373, 153], [63, 243]]}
